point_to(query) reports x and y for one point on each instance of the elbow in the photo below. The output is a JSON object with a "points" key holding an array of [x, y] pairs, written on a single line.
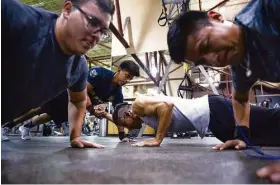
{"points": [[241, 97], [169, 106], [79, 103]]}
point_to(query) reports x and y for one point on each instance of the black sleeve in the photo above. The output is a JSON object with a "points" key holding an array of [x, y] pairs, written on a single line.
{"points": [[81, 83], [118, 97], [17, 19]]}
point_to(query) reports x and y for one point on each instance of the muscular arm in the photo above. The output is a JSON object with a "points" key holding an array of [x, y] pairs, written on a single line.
{"points": [[161, 109], [241, 108], [76, 111], [89, 89]]}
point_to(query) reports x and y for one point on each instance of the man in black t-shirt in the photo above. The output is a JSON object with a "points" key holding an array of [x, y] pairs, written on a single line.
{"points": [[38, 43]]}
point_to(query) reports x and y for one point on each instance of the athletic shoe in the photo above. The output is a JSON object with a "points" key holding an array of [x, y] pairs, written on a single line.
{"points": [[25, 133]]}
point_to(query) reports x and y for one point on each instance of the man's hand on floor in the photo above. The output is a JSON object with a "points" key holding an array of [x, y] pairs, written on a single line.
{"points": [[237, 144], [271, 172], [79, 143], [148, 143]]}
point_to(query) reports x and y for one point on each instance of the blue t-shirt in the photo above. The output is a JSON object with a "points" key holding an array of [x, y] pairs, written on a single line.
{"points": [[34, 68], [260, 20], [103, 91]]}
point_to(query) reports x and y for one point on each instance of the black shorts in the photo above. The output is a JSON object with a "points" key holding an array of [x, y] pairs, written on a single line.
{"points": [[264, 123], [57, 108]]}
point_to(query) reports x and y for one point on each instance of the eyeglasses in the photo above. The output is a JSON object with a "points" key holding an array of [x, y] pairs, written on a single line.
{"points": [[93, 23]]}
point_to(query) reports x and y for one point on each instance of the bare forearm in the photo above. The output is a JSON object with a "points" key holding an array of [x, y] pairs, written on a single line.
{"points": [[241, 109], [164, 115], [108, 117], [76, 113]]}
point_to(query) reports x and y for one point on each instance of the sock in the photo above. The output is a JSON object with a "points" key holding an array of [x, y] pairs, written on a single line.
{"points": [[9, 125], [29, 124]]}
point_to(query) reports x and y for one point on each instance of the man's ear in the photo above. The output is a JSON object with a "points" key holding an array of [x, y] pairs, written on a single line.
{"points": [[119, 69], [215, 16], [67, 9]]}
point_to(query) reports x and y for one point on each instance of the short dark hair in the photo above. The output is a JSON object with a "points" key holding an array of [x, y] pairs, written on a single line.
{"points": [[187, 23], [117, 109], [107, 6], [131, 67]]}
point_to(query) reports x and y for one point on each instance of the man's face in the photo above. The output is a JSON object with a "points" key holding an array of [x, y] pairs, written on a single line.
{"points": [[129, 120], [85, 26], [123, 77], [216, 44]]}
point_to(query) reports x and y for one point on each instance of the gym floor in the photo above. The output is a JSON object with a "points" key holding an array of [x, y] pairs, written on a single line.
{"points": [[51, 160]]}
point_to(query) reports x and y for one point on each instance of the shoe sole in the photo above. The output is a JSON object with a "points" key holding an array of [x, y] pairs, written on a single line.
{"points": [[20, 129]]}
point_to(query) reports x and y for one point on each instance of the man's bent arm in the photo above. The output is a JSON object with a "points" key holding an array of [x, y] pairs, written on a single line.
{"points": [[163, 110], [164, 114], [76, 111], [241, 108]]}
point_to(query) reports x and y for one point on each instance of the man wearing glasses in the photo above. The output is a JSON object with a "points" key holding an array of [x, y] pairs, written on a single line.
{"points": [[42, 55]]}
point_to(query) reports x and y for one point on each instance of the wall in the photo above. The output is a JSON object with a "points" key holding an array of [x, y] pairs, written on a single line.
{"points": [[147, 35]]}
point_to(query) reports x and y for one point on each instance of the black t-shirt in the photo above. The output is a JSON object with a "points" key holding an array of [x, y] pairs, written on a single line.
{"points": [[103, 91], [260, 20], [34, 68]]}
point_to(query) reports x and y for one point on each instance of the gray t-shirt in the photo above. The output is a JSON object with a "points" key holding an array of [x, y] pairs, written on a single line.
{"points": [[188, 115]]}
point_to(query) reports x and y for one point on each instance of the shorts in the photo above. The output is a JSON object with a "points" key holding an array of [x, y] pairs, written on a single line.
{"points": [[57, 108]]}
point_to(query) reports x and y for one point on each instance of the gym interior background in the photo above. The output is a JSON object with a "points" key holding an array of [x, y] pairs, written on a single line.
{"points": [[139, 33]]}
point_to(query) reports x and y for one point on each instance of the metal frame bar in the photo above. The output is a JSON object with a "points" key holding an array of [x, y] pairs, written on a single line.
{"points": [[165, 77], [104, 45], [173, 1], [160, 67], [175, 69], [269, 84], [119, 59], [147, 60], [136, 58], [203, 71], [199, 3], [161, 55], [150, 60], [219, 71], [155, 58], [217, 5], [102, 63], [119, 20], [105, 57]]}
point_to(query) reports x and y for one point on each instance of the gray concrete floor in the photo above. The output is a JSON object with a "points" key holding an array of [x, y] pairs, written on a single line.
{"points": [[51, 160]]}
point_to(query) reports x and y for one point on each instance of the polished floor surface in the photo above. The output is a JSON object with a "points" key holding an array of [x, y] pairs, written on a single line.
{"points": [[51, 160]]}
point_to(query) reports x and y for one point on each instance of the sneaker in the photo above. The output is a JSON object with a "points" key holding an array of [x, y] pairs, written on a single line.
{"points": [[57, 133], [25, 133], [4, 134]]}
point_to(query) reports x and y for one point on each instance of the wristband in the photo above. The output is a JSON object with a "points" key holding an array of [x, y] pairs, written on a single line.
{"points": [[121, 135], [241, 132]]}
